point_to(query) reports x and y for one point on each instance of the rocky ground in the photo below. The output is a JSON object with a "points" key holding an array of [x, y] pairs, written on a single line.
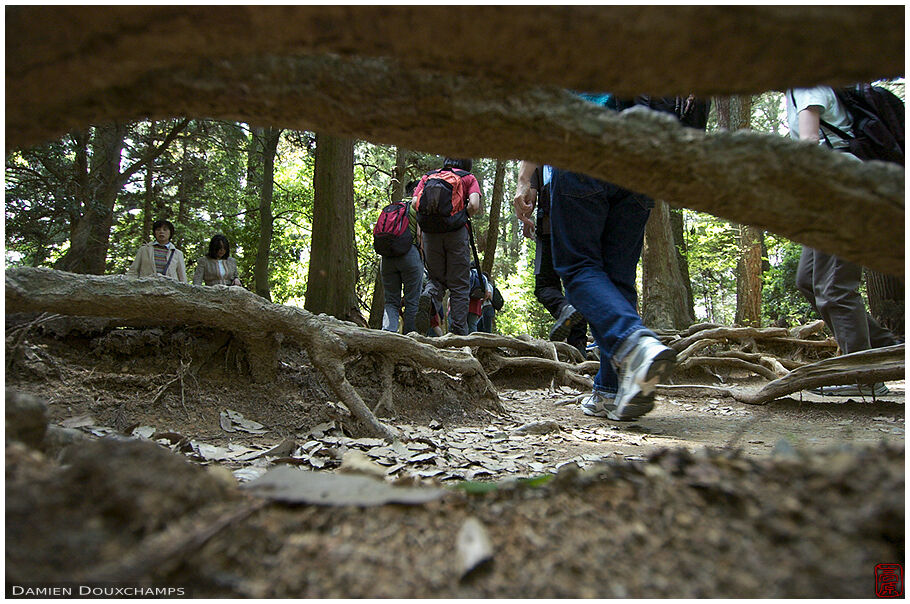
{"points": [[155, 473]]}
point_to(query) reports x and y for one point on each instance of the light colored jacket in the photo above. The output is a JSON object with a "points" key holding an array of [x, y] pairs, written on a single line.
{"points": [[207, 271], [144, 264]]}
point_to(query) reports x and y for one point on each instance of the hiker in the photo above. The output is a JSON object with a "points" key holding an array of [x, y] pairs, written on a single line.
{"points": [[445, 199], [400, 270], [481, 294], [829, 283], [490, 307], [597, 231], [217, 267], [569, 324], [159, 257]]}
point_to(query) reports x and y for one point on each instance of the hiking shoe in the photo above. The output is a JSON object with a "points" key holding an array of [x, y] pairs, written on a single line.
{"points": [[598, 404], [647, 364], [568, 317], [876, 389], [424, 310]]}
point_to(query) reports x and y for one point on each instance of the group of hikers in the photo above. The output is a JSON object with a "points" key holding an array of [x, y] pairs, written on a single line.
{"points": [[589, 236], [162, 258]]}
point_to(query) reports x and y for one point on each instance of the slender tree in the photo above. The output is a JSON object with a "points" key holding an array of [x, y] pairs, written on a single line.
{"points": [[735, 113], [333, 259], [489, 248], [270, 138]]}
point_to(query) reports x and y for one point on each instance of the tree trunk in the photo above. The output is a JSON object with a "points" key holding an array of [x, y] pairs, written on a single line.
{"points": [[377, 306], [399, 176], [682, 256], [749, 277], [332, 277], [91, 233], [149, 198], [489, 249], [735, 113], [886, 300], [664, 296], [261, 273]]}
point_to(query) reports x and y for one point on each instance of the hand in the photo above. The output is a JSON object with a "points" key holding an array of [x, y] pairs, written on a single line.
{"points": [[528, 228], [524, 199]]}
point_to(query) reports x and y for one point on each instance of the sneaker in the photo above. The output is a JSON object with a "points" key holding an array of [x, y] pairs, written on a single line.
{"points": [[598, 404], [647, 364], [568, 317], [876, 389], [424, 310]]}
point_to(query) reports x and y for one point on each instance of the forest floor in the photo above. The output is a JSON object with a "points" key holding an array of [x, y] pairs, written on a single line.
{"points": [[703, 497]]}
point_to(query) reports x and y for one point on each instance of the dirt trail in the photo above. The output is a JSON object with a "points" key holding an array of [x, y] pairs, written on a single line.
{"points": [[703, 497]]}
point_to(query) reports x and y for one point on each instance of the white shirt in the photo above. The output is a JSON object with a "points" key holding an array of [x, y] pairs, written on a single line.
{"points": [[831, 111]]}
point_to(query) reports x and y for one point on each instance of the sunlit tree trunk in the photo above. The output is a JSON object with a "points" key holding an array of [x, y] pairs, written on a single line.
{"points": [[333, 260], [489, 249], [664, 298], [261, 272], [735, 113]]}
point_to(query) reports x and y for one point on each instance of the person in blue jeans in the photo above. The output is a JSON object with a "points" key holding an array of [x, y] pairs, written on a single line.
{"points": [[403, 272], [597, 234]]}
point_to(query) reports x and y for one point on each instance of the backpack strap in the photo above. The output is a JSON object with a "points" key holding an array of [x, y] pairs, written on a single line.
{"points": [[474, 248], [168, 263]]}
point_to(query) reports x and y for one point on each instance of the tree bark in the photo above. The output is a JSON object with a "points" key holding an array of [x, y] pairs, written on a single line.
{"points": [[377, 306], [749, 277], [664, 294], [332, 277], [682, 256], [270, 138], [886, 300], [735, 113], [489, 249]]}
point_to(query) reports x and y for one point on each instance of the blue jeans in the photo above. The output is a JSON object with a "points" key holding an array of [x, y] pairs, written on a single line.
{"points": [[598, 230], [404, 271]]}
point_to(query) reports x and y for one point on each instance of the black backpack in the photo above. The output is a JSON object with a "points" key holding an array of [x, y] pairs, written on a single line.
{"points": [[442, 205], [878, 122], [690, 111]]}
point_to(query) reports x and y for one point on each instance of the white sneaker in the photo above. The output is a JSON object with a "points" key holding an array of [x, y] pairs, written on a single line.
{"points": [[598, 404], [647, 364]]}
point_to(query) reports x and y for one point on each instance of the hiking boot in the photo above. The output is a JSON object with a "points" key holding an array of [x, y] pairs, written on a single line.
{"points": [[568, 317], [876, 389], [424, 310], [598, 404], [647, 364]]}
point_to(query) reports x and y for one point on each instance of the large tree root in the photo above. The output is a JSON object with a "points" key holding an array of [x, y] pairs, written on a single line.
{"points": [[238, 311], [866, 367]]}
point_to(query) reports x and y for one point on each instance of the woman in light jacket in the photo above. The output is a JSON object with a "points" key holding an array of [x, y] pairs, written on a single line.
{"points": [[217, 267], [160, 258]]}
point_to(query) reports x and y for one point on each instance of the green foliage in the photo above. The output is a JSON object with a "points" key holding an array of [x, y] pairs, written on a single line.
{"points": [[782, 303]]}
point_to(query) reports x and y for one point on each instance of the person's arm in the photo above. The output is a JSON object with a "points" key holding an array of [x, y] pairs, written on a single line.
{"points": [[137, 262], [473, 204], [199, 273], [181, 268], [525, 197], [809, 123]]}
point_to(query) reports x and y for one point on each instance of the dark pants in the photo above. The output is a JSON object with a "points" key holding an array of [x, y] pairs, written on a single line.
{"points": [[831, 285], [598, 232], [548, 286], [448, 259]]}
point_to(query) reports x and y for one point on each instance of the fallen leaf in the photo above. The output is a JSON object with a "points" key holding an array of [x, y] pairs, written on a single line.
{"points": [[143, 432], [300, 486], [79, 421]]}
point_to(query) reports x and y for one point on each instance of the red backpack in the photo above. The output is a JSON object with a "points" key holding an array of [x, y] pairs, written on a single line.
{"points": [[392, 232], [441, 205]]}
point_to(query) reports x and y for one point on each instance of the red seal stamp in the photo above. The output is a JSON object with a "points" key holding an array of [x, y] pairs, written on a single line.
{"points": [[889, 581]]}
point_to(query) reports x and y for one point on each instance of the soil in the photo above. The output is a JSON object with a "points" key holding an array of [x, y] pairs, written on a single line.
{"points": [[159, 434]]}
